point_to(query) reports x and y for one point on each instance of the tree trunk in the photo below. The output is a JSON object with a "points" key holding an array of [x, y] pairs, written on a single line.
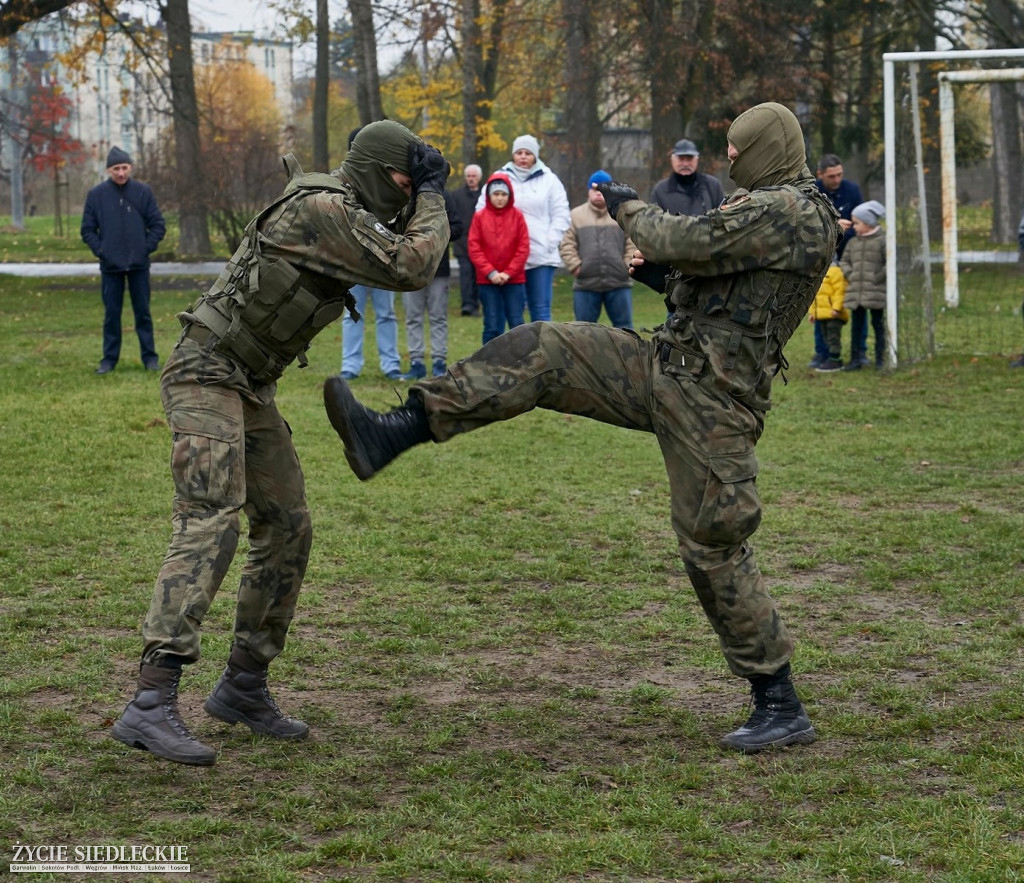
{"points": [[471, 61], [666, 126], [1006, 123], [14, 132], [321, 87], [488, 74], [582, 146], [194, 240], [367, 78]]}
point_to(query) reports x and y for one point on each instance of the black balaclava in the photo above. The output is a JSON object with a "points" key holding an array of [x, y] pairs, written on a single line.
{"points": [[770, 144], [377, 150]]}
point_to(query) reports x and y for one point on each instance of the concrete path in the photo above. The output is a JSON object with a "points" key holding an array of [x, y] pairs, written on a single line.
{"points": [[198, 268]]}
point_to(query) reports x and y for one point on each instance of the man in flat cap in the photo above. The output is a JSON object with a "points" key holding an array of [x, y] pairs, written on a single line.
{"points": [[686, 191]]}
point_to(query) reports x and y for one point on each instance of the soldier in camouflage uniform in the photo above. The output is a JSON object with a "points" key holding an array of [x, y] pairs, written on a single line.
{"points": [[739, 281], [232, 450]]}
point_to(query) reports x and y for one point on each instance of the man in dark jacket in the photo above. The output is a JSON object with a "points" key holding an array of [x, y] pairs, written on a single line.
{"points": [[466, 198], [687, 191], [122, 225]]}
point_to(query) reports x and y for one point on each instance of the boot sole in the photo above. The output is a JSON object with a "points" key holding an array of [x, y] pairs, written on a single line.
{"points": [[337, 399], [136, 739], [227, 714], [804, 737]]}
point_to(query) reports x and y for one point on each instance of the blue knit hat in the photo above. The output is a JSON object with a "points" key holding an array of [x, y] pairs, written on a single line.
{"points": [[599, 177]]}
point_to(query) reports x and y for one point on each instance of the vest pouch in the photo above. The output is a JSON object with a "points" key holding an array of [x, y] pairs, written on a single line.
{"points": [[293, 314], [328, 312]]}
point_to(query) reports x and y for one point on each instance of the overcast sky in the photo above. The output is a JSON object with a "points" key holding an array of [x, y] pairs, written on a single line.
{"points": [[234, 15]]}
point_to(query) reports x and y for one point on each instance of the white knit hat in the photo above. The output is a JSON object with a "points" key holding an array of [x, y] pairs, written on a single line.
{"points": [[527, 142]]}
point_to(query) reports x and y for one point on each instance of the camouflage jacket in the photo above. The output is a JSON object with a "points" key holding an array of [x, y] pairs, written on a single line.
{"points": [[743, 277], [291, 275]]}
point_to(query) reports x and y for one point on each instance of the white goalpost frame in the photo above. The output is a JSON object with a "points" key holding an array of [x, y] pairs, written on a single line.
{"points": [[950, 248]]}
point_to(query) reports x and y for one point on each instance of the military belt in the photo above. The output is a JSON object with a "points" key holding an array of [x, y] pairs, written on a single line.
{"points": [[668, 353], [199, 333]]}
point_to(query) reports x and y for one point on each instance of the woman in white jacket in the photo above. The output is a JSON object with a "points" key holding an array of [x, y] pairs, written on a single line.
{"points": [[541, 197]]}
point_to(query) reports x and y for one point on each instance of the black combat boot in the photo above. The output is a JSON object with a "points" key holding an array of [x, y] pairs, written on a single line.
{"points": [[778, 718], [151, 720], [372, 440], [241, 696]]}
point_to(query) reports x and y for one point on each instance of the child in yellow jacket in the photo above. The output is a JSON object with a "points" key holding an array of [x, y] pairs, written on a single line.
{"points": [[828, 310]]}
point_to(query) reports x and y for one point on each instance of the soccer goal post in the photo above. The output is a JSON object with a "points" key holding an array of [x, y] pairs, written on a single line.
{"points": [[919, 324]]}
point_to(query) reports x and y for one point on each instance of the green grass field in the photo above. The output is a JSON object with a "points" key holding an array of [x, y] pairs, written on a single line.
{"points": [[507, 674]]}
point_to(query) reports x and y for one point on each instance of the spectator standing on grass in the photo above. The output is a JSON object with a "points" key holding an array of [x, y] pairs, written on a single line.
{"points": [[122, 225], [541, 197], [829, 312], [739, 281], [597, 253], [431, 303], [466, 198], [845, 196], [231, 448], [863, 265], [499, 244], [686, 191]]}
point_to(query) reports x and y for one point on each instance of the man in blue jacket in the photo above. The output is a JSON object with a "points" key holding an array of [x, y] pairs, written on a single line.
{"points": [[122, 225]]}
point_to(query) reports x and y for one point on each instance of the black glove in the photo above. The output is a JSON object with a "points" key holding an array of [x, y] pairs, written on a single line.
{"points": [[615, 193], [652, 275], [427, 168]]}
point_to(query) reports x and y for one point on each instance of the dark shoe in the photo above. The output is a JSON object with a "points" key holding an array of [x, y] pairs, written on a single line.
{"points": [[778, 718], [830, 365], [864, 361], [1018, 362], [153, 365], [439, 368], [470, 312], [348, 375], [104, 368], [417, 371], [853, 365], [373, 440], [151, 720], [395, 375], [241, 696], [816, 361]]}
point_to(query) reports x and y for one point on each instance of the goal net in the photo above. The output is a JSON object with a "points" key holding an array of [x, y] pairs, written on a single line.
{"points": [[954, 285]]}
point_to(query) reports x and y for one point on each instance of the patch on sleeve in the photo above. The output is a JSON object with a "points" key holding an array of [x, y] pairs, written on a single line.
{"points": [[736, 202], [372, 223]]}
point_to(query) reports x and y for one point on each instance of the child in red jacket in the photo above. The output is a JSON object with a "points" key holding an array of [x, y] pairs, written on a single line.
{"points": [[498, 246]]}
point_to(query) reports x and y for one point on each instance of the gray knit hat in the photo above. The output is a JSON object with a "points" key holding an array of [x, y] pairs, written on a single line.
{"points": [[117, 156], [870, 212]]}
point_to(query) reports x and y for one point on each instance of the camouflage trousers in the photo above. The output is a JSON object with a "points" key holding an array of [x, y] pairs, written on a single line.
{"points": [[707, 440], [231, 451]]}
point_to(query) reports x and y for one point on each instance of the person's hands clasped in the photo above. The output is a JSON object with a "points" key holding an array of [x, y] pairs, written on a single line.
{"points": [[428, 168], [615, 193]]}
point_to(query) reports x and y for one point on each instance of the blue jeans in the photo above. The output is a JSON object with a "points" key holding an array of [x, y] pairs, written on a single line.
{"points": [[387, 331], [618, 303], [820, 344], [502, 304], [539, 287], [112, 289]]}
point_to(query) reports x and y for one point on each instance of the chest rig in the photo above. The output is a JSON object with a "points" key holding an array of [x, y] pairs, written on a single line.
{"points": [[265, 311]]}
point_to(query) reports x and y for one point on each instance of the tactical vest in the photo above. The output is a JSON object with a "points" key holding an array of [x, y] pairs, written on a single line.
{"points": [[738, 323], [265, 311]]}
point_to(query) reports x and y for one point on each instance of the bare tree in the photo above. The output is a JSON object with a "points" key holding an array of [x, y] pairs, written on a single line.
{"points": [[194, 239], [582, 147], [16, 13], [368, 99], [321, 87]]}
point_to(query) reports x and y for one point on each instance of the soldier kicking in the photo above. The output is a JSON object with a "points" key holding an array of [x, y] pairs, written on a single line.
{"points": [[739, 280]]}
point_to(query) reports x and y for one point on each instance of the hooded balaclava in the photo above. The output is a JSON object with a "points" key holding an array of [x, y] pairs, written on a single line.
{"points": [[770, 145], [376, 151]]}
